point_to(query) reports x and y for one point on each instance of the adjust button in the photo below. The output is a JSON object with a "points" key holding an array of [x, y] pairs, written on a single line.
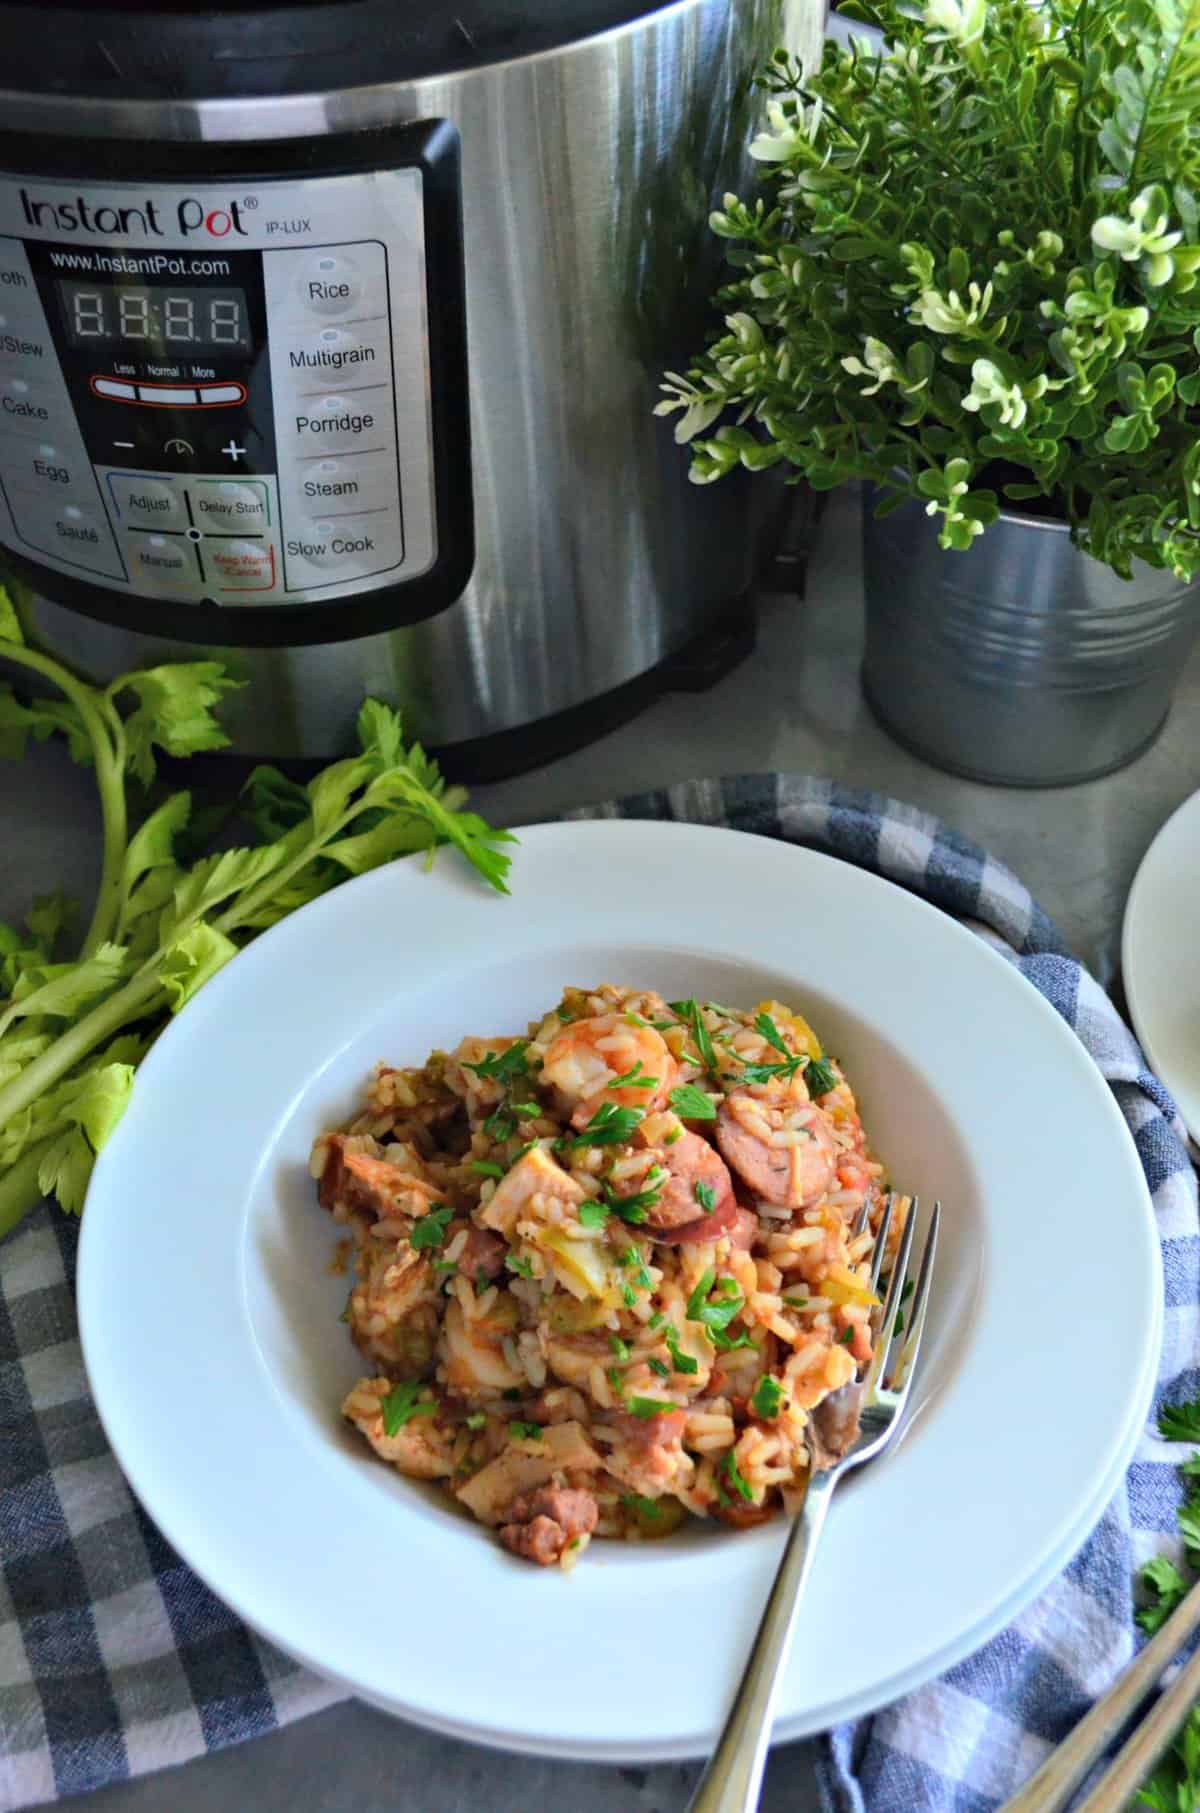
{"points": [[329, 283], [161, 562], [225, 506], [147, 503]]}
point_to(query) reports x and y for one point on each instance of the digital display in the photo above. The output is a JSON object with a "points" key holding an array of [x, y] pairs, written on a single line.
{"points": [[171, 318]]}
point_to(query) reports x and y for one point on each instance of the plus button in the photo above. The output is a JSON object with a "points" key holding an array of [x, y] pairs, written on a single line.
{"points": [[233, 450]]}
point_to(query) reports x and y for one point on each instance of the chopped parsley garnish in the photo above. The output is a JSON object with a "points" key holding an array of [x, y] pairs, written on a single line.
{"points": [[766, 1028], [629, 1296], [767, 1398], [502, 1066], [820, 1076], [486, 1168], [673, 1137], [476, 1420], [446, 1265], [620, 1348], [641, 1277], [500, 1126], [645, 1408], [730, 1343], [706, 1196], [616, 1379], [609, 1126], [765, 1073], [635, 1207], [632, 1019], [482, 1281], [692, 1015], [526, 1110], [796, 1302], [645, 1507], [734, 1475], [634, 1079], [403, 1403], [714, 1315], [525, 1432], [691, 1104], [846, 1336], [656, 1321], [656, 1366], [431, 1229], [592, 1214], [905, 1294], [682, 1362], [522, 1267]]}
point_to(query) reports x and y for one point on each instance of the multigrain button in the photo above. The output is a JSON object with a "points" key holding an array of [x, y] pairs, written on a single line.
{"points": [[223, 506], [322, 354], [329, 283], [146, 503], [160, 560]]}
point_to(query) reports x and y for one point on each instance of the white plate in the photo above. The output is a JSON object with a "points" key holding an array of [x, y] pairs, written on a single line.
{"points": [[1158, 959], [212, 1340]]}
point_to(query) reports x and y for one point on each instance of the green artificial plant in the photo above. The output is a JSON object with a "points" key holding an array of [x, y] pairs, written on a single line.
{"points": [[973, 273]]}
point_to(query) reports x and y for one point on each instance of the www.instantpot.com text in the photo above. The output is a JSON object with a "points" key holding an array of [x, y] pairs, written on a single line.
{"points": [[141, 264]]}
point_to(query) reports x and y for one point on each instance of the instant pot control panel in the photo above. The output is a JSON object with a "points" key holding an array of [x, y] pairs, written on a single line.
{"points": [[235, 410]]}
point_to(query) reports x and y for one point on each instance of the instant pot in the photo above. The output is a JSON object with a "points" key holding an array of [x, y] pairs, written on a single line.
{"points": [[330, 336]]}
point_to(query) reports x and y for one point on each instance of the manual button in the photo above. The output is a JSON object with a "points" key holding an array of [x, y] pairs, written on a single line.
{"points": [[146, 503], [159, 560], [225, 506]]}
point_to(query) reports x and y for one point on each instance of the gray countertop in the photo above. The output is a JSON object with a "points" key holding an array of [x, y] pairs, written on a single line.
{"points": [[794, 705]]}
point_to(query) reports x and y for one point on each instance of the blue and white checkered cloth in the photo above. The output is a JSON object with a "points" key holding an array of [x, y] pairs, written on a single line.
{"points": [[114, 1660]]}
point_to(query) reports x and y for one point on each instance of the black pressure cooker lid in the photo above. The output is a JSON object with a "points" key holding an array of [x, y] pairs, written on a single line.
{"points": [[195, 49]]}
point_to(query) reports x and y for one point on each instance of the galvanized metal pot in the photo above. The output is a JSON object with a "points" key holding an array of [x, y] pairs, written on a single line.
{"points": [[1021, 661]]}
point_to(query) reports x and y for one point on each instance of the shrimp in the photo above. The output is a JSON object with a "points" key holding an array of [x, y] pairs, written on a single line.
{"points": [[589, 1060], [473, 1353]]}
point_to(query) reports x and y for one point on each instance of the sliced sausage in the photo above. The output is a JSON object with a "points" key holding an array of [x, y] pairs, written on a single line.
{"points": [[483, 1253], [792, 1176], [679, 1215], [544, 1522]]}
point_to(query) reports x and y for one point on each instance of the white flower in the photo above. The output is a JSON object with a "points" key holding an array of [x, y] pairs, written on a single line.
{"points": [[790, 129], [950, 314], [882, 365], [956, 21], [989, 388], [1143, 235]]}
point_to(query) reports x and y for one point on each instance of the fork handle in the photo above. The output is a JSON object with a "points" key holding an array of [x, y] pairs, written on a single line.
{"points": [[732, 1780]]}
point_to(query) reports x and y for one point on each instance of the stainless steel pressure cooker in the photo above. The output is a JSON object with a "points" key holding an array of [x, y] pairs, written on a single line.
{"points": [[330, 335]]}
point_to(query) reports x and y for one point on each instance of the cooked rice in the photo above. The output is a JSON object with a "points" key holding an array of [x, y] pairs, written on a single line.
{"points": [[572, 1333]]}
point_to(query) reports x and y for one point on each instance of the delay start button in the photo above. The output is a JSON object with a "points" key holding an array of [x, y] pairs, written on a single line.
{"points": [[223, 506], [329, 283]]}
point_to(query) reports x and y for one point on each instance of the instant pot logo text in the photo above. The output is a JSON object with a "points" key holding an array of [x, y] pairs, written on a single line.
{"points": [[79, 215]]}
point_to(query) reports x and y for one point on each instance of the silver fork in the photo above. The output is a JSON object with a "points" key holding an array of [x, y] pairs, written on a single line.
{"points": [[731, 1782]]}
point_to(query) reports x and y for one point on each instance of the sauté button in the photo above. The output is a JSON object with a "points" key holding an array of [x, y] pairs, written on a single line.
{"points": [[329, 283], [75, 527]]}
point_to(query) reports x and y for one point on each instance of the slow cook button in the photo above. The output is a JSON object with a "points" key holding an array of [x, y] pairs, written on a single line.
{"points": [[225, 507], [337, 424], [241, 566], [340, 550], [329, 283], [161, 561], [146, 503]]}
